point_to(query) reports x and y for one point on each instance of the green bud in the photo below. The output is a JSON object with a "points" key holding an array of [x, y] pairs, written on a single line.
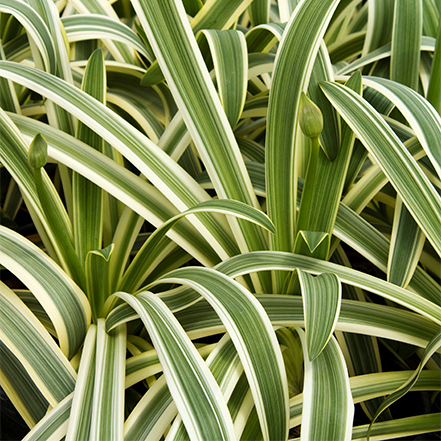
{"points": [[37, 155], [311, 118]]}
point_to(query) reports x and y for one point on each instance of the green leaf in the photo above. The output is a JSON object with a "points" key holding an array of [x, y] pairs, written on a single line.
{"points": [[176, 49], [21, 332], [328, 408], [250, 330], [94, 26], [321, 303], [422, 117], [163, 172], [118, 50], [407, 242], [379, 24], [431, 348], [135, 274], [53, 426], [409, 180], [259, 12], [295, 59], [64, 302], [142, 197], [23, 393], [434, 91], [98, 275], [81, 411], [54, 210], [406, 42], [36, 30], [87, 197], [271, 260], [194, 390], [313, 244], [108, 393], [229, 52]]}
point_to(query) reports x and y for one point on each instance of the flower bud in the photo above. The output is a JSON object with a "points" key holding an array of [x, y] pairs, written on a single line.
{"points": [[37, 155], [310, 117]]}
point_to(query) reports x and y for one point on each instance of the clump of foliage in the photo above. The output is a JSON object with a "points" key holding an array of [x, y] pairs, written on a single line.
{"points": [[221, 219]]}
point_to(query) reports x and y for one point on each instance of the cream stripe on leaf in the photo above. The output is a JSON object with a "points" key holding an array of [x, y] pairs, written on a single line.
{"points": [[64, 302], [163, 172], [406, 42], [422, 117], [81, 412], [328, 408], [21, 332], [321, 304], [134, 274], [396, 162], [229, 52], [133, 191], [108, 392], [272, 260], [54, 425], [254, 339], [90, 26], [293, 65], [197, 396], [23, 393], [173, 42], [36, 30]]}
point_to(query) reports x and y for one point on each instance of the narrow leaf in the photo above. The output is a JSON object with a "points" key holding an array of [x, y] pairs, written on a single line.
{"points": [[321, 302], [194, 390], [328, 408]]}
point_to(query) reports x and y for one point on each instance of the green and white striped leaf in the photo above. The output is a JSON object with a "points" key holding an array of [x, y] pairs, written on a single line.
{"points": [[272, 260], [54, 425], [163, 172], [431, 348], [194, 389], [152, 415], [406, 42], [294, 62], [13, 155], [399, 427], [21, 332], [214, 14], [135, 273], [434, 90], [422, 117], [188, 79], [407, 242], [23, 393], [142, 197], [321, 303], [108, 393], [250, 330], [411, 183], [229, 52], [81, 411], [94, 26], [259, 12], [87, 197], [328, 408], [98, 279], [379, 24], [36, 30], [118, 50], [64, 302], [53, 208]]}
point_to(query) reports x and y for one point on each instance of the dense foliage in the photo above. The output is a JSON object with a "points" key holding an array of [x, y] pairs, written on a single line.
{"points": [[221, 219]]}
